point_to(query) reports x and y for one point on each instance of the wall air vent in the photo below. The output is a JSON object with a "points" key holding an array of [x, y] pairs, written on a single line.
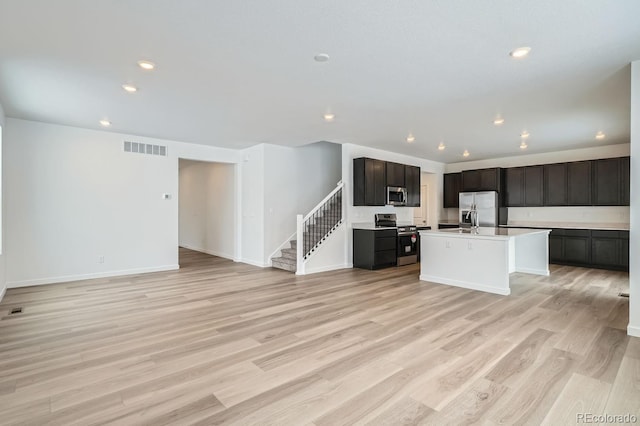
{"points": [[145, 148]]}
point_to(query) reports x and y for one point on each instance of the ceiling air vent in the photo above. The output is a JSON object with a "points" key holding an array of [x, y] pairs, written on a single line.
{"points": [[145, 148]]}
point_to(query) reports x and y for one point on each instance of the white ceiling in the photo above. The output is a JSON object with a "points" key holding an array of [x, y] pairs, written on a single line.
{"points": [[234, 73]]}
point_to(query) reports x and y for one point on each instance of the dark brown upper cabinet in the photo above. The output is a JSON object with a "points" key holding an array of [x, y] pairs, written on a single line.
{"points": [[412, 180], [514, 187], [607, 182], [482, 180], [451, 190], [579, 183], [395, 174], [524, 186], [371, 178], [555, 184], [369, 182], [534, 186]]}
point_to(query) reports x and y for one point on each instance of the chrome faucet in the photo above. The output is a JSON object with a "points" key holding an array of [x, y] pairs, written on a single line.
{"points": [[473, 213]]}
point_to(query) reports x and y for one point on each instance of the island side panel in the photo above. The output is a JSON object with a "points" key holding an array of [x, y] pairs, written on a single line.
{"points": [[532, 253], [473, 263]]}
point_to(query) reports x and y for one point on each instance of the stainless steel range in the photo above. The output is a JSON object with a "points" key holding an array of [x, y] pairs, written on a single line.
{"points": [[407, 240]]}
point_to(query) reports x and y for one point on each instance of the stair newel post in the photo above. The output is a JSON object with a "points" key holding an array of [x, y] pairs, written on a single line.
{"points": [[300, 245]]}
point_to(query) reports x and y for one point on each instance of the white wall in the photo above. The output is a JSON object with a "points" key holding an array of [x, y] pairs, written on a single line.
{"points": [[3, 278], [319, 166], [331, 254], [365, 214], [207, 207], [280, 196], [634, 249], [73, 195], [617, 215]]}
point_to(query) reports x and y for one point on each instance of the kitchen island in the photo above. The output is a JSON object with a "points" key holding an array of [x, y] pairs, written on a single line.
{"points": [[482, 259]]}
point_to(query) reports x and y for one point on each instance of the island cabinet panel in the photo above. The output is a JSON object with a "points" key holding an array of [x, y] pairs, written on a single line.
{"points": [[412, 180], [607, 176], [451, 190], [579, 183], [368, 182], [395, 174], [482, 180], [555, 184], [374, 249]]}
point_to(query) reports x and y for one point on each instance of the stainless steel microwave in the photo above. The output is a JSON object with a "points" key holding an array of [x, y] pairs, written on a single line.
{"points": [[396, 196]]}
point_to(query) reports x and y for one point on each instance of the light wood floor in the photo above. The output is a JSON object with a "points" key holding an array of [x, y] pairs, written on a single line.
{"points": [[225, 343]]}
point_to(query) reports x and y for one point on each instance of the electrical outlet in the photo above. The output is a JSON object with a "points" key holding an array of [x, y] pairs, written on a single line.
{"points": [[101, 259], [447, 244]]}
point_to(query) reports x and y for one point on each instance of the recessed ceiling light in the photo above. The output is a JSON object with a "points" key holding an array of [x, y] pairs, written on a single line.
{"points": [[523, 145], [321, 57], [441, 146], [524, 134], [146, 65], [465, 153], [329, 117], [600, 135], [105, 123], [498, 121], [130, 88], [411, 138], [520, 52]]}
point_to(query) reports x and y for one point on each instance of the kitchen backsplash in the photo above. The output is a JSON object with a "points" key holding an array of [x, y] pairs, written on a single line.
{"points": [[366, 214], [594, 214], [570, 214]]}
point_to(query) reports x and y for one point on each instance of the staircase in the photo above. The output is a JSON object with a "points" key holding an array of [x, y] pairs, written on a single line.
{"points": [[287, 260], [314, 228]]}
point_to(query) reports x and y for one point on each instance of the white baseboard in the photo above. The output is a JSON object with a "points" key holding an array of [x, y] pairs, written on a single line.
{"points": [[211, 252], [466, 284], [255, 263], [80, 277], [2, 293], [325, 268], [544, 272], [633, 331]]}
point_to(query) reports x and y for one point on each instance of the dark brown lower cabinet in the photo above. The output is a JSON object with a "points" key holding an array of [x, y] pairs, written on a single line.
{"points": [[590, 248], [374, 249], [448, 225], [556, 247]]}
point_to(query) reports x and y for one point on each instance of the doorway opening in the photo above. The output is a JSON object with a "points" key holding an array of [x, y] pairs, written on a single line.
{"points": [[426, 214], [207, 207]]}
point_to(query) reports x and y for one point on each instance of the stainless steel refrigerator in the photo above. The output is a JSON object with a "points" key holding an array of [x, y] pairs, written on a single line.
{"points": [[487, 206]]}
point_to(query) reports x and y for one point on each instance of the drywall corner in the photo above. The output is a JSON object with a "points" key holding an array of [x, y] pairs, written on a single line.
{"points": [[634, 249]]}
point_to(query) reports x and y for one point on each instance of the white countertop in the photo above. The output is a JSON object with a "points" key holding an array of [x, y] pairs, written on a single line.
{"points": [[370, 226], [570, 225], [483, 233]]}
